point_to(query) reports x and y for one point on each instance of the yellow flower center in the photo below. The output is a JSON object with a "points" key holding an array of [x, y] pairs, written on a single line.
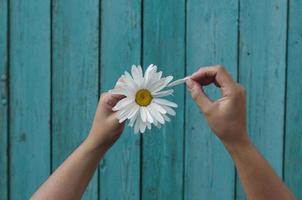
{"points": [[143, 97]]}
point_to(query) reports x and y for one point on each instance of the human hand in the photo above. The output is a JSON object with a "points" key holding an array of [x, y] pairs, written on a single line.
{"points": [[227, 115], [106, 128]]}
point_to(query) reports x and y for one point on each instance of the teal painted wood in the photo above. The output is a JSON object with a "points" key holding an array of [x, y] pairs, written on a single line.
{"points": [[262, 72], [164, 45], [211, 39], [75, 78], [293, 145], [120, 48], [4, 101], [29, 96]]}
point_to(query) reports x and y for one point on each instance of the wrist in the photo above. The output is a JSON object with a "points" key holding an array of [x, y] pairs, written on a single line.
{"points": [[239, 146], [93, 143]]}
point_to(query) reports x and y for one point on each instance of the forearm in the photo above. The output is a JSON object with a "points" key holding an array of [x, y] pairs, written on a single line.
{"points": [[70, 180], [258, 178]]}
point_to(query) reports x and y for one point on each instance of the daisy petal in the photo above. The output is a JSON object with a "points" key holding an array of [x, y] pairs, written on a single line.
{"points": [[166, 118], [122, 119], [124, 113], [166, 80], [154, 86], [143, 114], [133, 119], [149, 117], [165, 102], [162, 93], [159, 108], [143, 126], [169, 110], [134, 72], [140, 71], [158, 125], [157, 116], [134, 110], [122, 103], [129, 81], [137, 124], [118, 91]]}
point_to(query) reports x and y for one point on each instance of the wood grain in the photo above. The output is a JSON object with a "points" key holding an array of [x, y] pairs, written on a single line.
{"points": [[29, 96], [120, 48], [211, 39], [3, 100], [293, 146], [74, 77], [56, 56], [164, 45], [262, 72]]}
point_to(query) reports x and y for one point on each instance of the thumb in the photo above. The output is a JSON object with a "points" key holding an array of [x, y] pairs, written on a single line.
{"points": [[108, 101], [198, 95]]}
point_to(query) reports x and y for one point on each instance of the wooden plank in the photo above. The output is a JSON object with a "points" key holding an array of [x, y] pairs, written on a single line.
{"points": [[211, 39], [75, 77], [164, 45], [4, 101], [262, 72], [120, 48], [29, 96], [293, 145]]}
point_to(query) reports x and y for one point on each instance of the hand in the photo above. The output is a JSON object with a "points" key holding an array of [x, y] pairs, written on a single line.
{"points": [[227, 115], [105, 128]]}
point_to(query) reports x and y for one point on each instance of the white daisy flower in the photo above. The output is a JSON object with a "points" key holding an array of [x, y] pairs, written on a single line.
{"points": [[144, 104]]}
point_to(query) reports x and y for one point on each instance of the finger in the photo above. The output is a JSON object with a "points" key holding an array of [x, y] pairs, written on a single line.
{"points": [[116, 98], [198, 95], [213, 74], [110, 100]]}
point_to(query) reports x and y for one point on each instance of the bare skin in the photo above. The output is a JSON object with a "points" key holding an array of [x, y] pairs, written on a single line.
{"points": [[70, 180], [227, 118]]}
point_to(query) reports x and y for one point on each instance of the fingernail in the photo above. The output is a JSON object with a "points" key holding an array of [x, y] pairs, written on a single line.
{"points": [[189, 83]]}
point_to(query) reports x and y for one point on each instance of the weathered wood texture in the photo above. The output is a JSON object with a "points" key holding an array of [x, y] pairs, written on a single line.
{"points": [[3, 100], [293, 138], [57, 56], [211, 39], [262, 62], [164, 45], [74, 77], [120, 48], [29, 91]]}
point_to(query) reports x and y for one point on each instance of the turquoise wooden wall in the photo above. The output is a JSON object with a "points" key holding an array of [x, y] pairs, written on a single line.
{"points": [[56, 56]]}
